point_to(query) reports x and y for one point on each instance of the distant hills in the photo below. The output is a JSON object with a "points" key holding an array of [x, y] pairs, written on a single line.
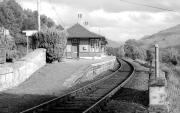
{"points": [[113, 44], [166, 38]]}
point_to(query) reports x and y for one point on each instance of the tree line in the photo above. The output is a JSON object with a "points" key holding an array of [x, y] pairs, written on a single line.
{"points": [[132, 49], [14, 18]]}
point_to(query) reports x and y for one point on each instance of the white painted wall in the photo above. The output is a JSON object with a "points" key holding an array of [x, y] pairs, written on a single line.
{"points": [[13, 74]]}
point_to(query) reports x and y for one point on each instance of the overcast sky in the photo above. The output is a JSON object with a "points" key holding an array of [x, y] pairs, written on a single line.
{"points": [[114, 19]]}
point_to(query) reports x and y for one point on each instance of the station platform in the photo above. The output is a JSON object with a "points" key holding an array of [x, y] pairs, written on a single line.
{"points": [[45, 83]]}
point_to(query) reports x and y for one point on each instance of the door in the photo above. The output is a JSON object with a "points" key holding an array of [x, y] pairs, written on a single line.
{"points": [[75, 50]]}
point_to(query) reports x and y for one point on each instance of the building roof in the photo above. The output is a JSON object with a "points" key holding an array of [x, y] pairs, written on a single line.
{"points": [[78, 31]]}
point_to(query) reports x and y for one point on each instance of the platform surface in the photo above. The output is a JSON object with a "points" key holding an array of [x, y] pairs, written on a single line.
{"points": [[44, 84]]}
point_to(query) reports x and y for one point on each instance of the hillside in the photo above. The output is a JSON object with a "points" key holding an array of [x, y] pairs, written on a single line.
{"points": [[113, 44], [166, 38]]}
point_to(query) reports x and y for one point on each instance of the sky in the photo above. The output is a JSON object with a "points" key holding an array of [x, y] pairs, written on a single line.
{"points": [[115, 19]]}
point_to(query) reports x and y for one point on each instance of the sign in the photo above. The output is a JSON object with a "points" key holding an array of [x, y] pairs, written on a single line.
{"points": [[29, 32], [75, 41]]}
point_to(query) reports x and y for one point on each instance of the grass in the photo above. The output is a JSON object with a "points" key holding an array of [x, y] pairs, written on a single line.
{"points": [[173, 87], [133, 97], [119, 107]]}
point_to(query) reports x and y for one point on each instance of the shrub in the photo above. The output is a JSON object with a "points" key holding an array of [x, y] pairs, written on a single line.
{"points": [[134, 52], [170, 56], [53, 41], [118, 52], [11, 51]]}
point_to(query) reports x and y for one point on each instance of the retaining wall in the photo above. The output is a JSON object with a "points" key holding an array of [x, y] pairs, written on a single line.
{"points": [[90, 72], [157, 94], [13, 74]]}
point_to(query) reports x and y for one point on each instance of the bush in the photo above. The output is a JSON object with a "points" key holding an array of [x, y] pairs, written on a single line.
{"points": [[118, 52], [134, 52], [53, 41], [11, 51], [170, 56]]}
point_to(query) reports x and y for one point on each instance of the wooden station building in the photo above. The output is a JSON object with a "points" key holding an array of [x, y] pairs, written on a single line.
{"points": [[82, 43]]}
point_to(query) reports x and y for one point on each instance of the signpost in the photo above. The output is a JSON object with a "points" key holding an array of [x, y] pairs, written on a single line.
{"points": [[28, 33]]}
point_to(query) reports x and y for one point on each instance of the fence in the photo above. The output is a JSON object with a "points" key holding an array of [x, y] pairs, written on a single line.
{"points": [[90, 72]]}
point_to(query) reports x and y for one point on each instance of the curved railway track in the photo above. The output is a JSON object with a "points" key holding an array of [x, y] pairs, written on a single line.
{"points": [[90, 98]]}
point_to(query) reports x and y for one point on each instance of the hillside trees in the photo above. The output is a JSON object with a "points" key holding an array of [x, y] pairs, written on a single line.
{"points": [[11, 17], [118, 52], [133, 51], [15, 19], [30, 21], [149, 57]]}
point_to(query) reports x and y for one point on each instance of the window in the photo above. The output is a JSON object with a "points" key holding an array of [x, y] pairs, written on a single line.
{"points": [[68, 48], [83, 46], [94, 45]]}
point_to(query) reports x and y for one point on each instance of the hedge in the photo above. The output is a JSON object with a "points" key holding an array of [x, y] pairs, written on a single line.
{"points": [[53, 41]]}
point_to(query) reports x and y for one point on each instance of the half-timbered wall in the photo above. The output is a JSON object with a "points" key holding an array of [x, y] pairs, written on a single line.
{"points": [[87, 48]]}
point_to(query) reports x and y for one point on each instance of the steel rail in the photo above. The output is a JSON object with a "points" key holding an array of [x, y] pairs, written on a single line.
{"points": [[95, 108], [65, 97]]}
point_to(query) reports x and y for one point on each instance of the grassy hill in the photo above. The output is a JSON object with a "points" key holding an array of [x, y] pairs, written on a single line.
{"points": [[166, 38], [113, 44]]}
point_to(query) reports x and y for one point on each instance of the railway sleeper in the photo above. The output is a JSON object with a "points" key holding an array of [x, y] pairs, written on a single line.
{"points": [[66, 111], [78, 102], [101, 92], [87, 98], [69, 108], [107, 86], [75, 103]]}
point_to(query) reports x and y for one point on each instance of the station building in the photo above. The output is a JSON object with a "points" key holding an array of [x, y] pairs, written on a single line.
{"points": [[82, 43]]}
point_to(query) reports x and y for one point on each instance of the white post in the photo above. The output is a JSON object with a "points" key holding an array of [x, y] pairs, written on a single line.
{"points": [[156, 60], [39, 19]]}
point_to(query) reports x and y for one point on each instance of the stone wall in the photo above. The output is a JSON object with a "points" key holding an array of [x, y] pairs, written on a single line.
{"points": [[157, 94], [13, 74]]}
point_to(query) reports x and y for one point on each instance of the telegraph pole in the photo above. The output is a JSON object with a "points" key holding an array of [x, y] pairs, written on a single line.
{"points": [[39, 19]]}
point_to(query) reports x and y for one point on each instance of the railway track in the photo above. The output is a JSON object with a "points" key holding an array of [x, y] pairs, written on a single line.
{"points": [[90, 98]]}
